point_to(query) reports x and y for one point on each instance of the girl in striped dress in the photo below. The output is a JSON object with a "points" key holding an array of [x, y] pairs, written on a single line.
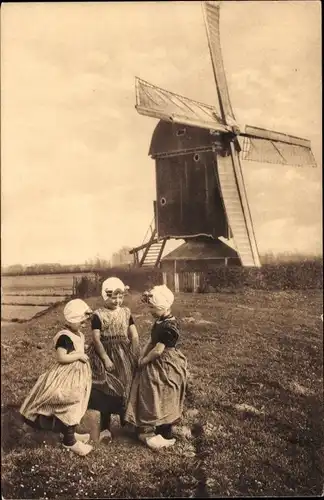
{"points": [[60, 396], [158, 391], [113, 354]]}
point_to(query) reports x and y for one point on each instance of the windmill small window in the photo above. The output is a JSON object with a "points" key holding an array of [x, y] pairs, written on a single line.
{"points": [[196, 157], [163, 201], [181, 132]]}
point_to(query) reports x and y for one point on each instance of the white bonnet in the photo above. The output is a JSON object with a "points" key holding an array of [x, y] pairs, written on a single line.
{"points": [[112, 284], [76, 310], [159, 296]]}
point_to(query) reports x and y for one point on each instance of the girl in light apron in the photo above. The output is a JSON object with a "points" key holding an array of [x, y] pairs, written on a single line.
{"points": [[60, 396]]}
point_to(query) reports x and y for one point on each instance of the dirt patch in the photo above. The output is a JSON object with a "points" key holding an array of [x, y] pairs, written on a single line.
{"points": [[300, 389]]}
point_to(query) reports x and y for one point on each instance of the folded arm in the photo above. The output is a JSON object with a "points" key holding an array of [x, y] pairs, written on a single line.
{"points": [[63, 357], [153, 353]]}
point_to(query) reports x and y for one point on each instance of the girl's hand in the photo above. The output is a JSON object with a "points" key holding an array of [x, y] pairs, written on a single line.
{"points": [[84, 358], [136, 352], [109, 365], [141, 362], [135, 348]]}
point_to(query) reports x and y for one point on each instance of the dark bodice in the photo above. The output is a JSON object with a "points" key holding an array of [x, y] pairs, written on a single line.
{"points": [[165, 331]]}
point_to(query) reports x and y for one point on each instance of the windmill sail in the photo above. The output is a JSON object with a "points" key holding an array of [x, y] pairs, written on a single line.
{"points": [[159, 103], [264, 150], [211, 11], [229, 168], [237, 209], [274, 147]]}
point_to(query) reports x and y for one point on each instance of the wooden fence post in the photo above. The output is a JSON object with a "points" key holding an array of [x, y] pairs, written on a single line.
{"points": [[176, 282], [195, 284], [176, 278]]}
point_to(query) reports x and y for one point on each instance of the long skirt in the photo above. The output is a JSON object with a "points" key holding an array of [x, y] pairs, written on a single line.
{"points": [[117, 382], [158, 391], [62, 392]]}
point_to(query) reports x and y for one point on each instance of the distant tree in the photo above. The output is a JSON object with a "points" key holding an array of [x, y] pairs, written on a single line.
{"points": [[14, 269], [47, 268], [97, 264], [122, 257]]}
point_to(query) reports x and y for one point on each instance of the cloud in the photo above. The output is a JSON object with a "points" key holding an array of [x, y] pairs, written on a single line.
{"points": [[285, 204], [287, 237]]}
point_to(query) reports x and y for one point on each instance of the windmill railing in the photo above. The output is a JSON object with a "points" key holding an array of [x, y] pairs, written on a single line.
{"points": [[149, 239], [141, 247], [150, 229]]}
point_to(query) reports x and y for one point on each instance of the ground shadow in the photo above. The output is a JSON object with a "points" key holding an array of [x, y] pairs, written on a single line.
{"points": [[15, 433]]}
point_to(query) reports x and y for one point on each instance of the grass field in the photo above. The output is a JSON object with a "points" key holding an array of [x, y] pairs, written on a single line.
{"points": [[47, 284], [39, 300], [20, 312], [24, 307], [254, 407], [22, 297]]}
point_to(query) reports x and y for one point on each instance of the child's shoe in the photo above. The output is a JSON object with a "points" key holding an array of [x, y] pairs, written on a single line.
{"points": [[79, 448], [83, 438], [144, 437], [157, 442], [106, 434]]}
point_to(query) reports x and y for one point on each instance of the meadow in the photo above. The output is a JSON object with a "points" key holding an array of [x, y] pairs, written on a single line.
{"points": [[25, 296], [253, 419]]}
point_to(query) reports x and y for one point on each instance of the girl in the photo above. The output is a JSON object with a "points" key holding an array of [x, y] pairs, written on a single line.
{"points": [[158, 391], [113, 354], [60, 396]]}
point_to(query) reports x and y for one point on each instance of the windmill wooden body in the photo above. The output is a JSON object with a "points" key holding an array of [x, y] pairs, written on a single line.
{"points": [[197, 148]]}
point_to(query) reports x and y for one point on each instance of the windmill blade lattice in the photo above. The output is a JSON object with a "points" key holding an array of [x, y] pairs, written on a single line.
{"points": [[160, 103], [268, 146], [211, 14]]}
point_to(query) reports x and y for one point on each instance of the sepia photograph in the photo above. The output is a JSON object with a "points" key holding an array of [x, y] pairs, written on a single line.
{"points": [[161, 249]]}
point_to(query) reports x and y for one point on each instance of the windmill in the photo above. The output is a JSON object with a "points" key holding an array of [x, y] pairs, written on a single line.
{"points": [[197, 148]]}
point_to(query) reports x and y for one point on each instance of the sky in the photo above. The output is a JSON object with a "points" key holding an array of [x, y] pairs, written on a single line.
{"points": [[76, 178]]}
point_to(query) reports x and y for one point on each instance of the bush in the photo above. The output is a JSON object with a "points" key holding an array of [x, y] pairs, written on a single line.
{"points": [[138, 279], [303, 275], [281, 276], [87, 286]]}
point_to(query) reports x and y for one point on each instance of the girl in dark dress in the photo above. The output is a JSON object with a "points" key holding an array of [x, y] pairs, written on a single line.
{"points": [[158, 390]]}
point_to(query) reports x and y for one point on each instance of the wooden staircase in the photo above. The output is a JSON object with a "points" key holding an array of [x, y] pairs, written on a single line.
{"points": [[152, 254], [152, 251]]}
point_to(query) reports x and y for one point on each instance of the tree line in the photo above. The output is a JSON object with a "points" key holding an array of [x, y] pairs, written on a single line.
{"points": [[121, 258]]}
